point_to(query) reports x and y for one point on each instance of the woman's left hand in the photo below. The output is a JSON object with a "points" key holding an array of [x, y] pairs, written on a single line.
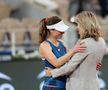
{"points": [[48, 72]]}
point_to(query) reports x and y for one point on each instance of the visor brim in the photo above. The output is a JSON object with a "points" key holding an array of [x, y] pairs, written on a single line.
{"points": [[60, 26]]}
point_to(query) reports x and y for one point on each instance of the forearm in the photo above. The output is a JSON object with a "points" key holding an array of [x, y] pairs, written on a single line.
{"points": [[70, 66], [64, 70], [60, 61]]}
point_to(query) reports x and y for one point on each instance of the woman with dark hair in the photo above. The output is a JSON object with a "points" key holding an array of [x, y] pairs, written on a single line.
{"points": [[53, 50]]}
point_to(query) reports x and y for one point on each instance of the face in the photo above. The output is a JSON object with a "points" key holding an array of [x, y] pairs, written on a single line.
{"points": [[57, 34]]}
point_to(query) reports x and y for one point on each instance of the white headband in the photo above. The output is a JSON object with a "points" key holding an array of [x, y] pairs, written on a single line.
{"points": [[60, 26]]}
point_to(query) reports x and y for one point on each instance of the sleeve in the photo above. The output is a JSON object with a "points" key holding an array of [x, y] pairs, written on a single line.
{"points": [[70, 66]]}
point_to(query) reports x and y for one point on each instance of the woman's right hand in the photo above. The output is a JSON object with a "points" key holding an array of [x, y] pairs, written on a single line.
{"points": [[98, 66], [79, 47]]}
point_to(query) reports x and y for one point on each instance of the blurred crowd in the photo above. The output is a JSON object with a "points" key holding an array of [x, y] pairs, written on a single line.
{"points": [[69, 8], [22, 24]]}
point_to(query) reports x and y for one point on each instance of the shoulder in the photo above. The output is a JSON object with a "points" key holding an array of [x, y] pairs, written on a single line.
{"points": [[92, 40], [93, 44], [102, 40], [88, 41], [85, 41], [102, 43], [44, 45]]}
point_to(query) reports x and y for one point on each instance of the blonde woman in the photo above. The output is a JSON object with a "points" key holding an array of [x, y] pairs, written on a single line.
{"points": [[85, 76]]}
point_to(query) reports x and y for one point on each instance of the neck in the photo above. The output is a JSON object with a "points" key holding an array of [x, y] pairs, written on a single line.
{"points": [[53, 40]]}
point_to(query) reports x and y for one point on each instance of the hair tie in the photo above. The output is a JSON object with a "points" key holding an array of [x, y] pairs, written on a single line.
{"points": [[46, 20]]}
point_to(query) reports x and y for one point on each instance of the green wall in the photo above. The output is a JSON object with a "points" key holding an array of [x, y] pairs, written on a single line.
{"points": [[23, 75]]}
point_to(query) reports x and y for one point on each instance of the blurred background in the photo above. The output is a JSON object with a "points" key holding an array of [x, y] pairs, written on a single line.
{"points": [[20, 65]]}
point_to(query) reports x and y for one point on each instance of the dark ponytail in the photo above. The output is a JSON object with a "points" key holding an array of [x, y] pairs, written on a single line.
{"points": [[43, 31]]}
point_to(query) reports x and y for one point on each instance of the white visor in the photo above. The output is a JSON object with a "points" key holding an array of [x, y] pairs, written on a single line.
{"points": [[60, 26]]}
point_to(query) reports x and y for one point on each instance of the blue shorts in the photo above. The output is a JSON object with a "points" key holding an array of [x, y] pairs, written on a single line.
{"points": [[53, 84], [52, 88]]}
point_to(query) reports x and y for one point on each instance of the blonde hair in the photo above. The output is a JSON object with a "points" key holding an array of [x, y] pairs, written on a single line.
{"points": [[89, 24]]}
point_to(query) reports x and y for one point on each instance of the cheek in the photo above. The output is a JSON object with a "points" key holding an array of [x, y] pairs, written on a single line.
{"points": [[57, 35]]}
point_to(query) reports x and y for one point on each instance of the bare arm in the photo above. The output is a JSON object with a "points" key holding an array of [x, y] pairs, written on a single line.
{"points": [[46, 52]]}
